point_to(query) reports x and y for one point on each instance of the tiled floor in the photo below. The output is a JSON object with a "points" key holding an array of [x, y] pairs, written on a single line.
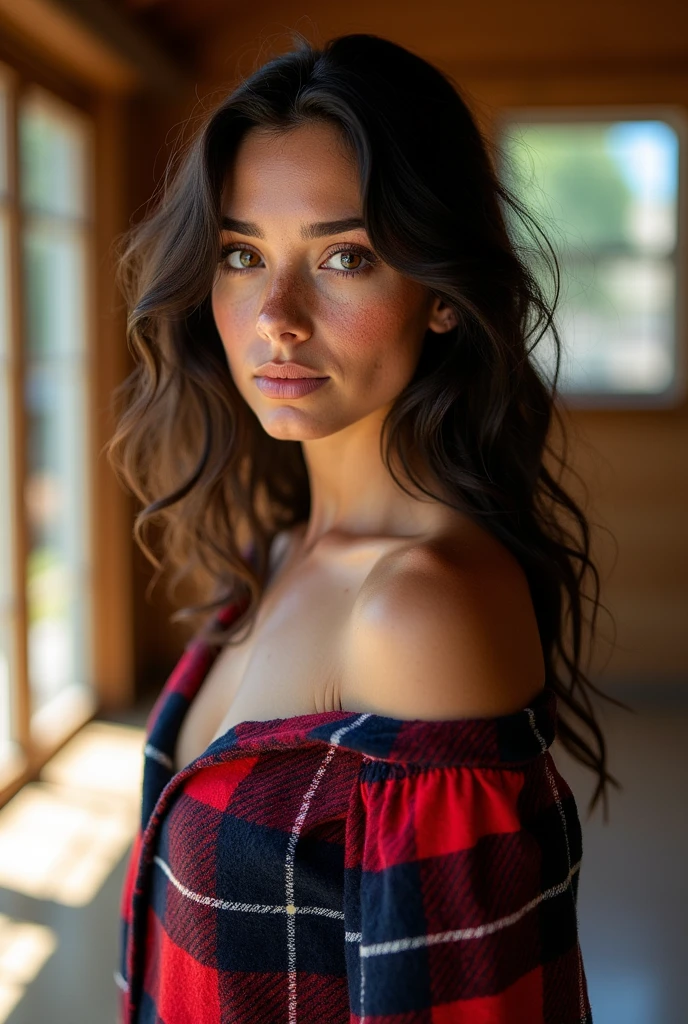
{"points": [[633, 896]]}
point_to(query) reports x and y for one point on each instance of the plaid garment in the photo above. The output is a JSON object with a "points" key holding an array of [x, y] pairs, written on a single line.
{"points": [[340, 867]]}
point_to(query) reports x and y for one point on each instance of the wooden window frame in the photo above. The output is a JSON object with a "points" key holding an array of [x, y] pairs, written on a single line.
{"points": [[109, 508]]}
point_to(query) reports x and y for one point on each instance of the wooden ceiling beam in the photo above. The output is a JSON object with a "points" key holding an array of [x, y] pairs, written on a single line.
{"points": [[95, 43]]}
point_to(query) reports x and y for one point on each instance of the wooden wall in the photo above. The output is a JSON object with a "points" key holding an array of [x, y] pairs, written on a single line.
{"points": [[507, 55]]}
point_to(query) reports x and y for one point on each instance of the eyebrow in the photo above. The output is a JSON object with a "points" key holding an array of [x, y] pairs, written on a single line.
{"points": [[308, 231]]}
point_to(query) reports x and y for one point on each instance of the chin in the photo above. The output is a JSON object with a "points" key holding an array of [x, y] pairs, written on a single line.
{"points": [[288, 424]]}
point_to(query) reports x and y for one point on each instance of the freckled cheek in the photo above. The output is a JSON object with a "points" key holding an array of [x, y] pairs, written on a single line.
{"points": [[235, 322], [377, 344]]}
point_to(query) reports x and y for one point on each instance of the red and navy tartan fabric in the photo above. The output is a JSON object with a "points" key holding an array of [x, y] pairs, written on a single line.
{"points": [[340, 867]]}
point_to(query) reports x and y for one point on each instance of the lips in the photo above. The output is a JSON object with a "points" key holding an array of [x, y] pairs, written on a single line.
{"points": [[292, 376], [294, 387], [287, 371]]}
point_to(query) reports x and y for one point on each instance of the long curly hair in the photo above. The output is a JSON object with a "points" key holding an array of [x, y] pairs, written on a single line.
{"points": [[216, 488]]}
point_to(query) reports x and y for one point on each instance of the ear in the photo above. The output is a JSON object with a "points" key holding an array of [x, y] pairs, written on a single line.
{"points": [[442, 317]]}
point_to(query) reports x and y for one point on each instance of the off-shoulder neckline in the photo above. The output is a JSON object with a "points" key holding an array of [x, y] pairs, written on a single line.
{"points": [[228, 613], [302, 721], [497, 741], [507, 741]]}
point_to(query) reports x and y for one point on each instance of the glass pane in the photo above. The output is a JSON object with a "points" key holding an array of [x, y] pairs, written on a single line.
{"points": [[606, 194], [6, 546], [53, 161], [4, 170], [54, 282], [53, 142], [57, 570]]}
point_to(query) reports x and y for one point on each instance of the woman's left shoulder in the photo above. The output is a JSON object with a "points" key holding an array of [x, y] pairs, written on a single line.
{"points": [[445, 630]]}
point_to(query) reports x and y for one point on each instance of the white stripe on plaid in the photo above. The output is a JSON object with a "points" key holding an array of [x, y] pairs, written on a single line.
{"points": [[459, 934], [249, 908], [291, 908], [120, 981], [150, 751]]}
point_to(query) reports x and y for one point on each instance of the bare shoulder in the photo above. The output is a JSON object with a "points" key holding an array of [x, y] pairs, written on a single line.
{"points": [[444, 631]]}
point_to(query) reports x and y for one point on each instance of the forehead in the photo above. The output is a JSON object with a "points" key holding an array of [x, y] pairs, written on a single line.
{"points": [[308, 168]]}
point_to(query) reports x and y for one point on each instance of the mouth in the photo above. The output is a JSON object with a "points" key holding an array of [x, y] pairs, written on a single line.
{"points": [[288, 387], [274, 376]]}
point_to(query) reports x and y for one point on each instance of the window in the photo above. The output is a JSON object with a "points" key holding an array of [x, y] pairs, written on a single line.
{"points": [[46, 633], [7, 606], [606, 191], [54, 161]]}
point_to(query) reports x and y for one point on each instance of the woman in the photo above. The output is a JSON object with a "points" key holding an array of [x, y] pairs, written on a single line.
{"points": [[350, 810]]}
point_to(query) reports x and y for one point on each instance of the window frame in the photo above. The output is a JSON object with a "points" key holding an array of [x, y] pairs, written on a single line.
{"points": [[109, 549], [676, 117]]}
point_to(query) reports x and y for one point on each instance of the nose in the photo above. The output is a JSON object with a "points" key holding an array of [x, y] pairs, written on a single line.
{"points": [[282, 315]]}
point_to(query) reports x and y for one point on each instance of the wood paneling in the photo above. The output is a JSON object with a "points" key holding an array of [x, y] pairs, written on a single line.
{"points": [[461, 32]]}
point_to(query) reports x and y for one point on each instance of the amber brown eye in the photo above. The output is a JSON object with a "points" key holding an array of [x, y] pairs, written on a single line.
{"points": [[348, 260], [245, 257], [351, 262], [240, 259]]}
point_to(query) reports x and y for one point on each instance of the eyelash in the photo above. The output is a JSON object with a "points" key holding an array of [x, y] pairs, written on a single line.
{"points": [[357, 249]]}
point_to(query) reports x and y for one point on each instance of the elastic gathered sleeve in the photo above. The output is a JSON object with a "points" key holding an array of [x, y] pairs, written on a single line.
{"points": [[461, 886]]}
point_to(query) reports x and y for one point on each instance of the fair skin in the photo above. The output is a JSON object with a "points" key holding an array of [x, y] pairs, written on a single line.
{"points": [[443, 622]]}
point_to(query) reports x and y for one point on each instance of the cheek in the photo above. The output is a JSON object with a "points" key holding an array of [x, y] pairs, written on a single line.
{"points": [[236, 325], [382, 336], [231, 318]]}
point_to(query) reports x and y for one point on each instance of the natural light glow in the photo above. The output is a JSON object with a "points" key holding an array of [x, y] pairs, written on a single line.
{"points": [[62, 836], [102, 757]]}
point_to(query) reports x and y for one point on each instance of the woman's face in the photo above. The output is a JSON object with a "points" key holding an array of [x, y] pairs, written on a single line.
{"points": [[289, 289]]}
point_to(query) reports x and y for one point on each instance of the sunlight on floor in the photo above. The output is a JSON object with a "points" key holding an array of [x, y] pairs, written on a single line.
{"points": [[60, 837], [24, 948]]}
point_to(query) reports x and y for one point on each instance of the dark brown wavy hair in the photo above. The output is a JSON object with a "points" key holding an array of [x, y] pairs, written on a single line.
{"points": [[216, 488]]}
